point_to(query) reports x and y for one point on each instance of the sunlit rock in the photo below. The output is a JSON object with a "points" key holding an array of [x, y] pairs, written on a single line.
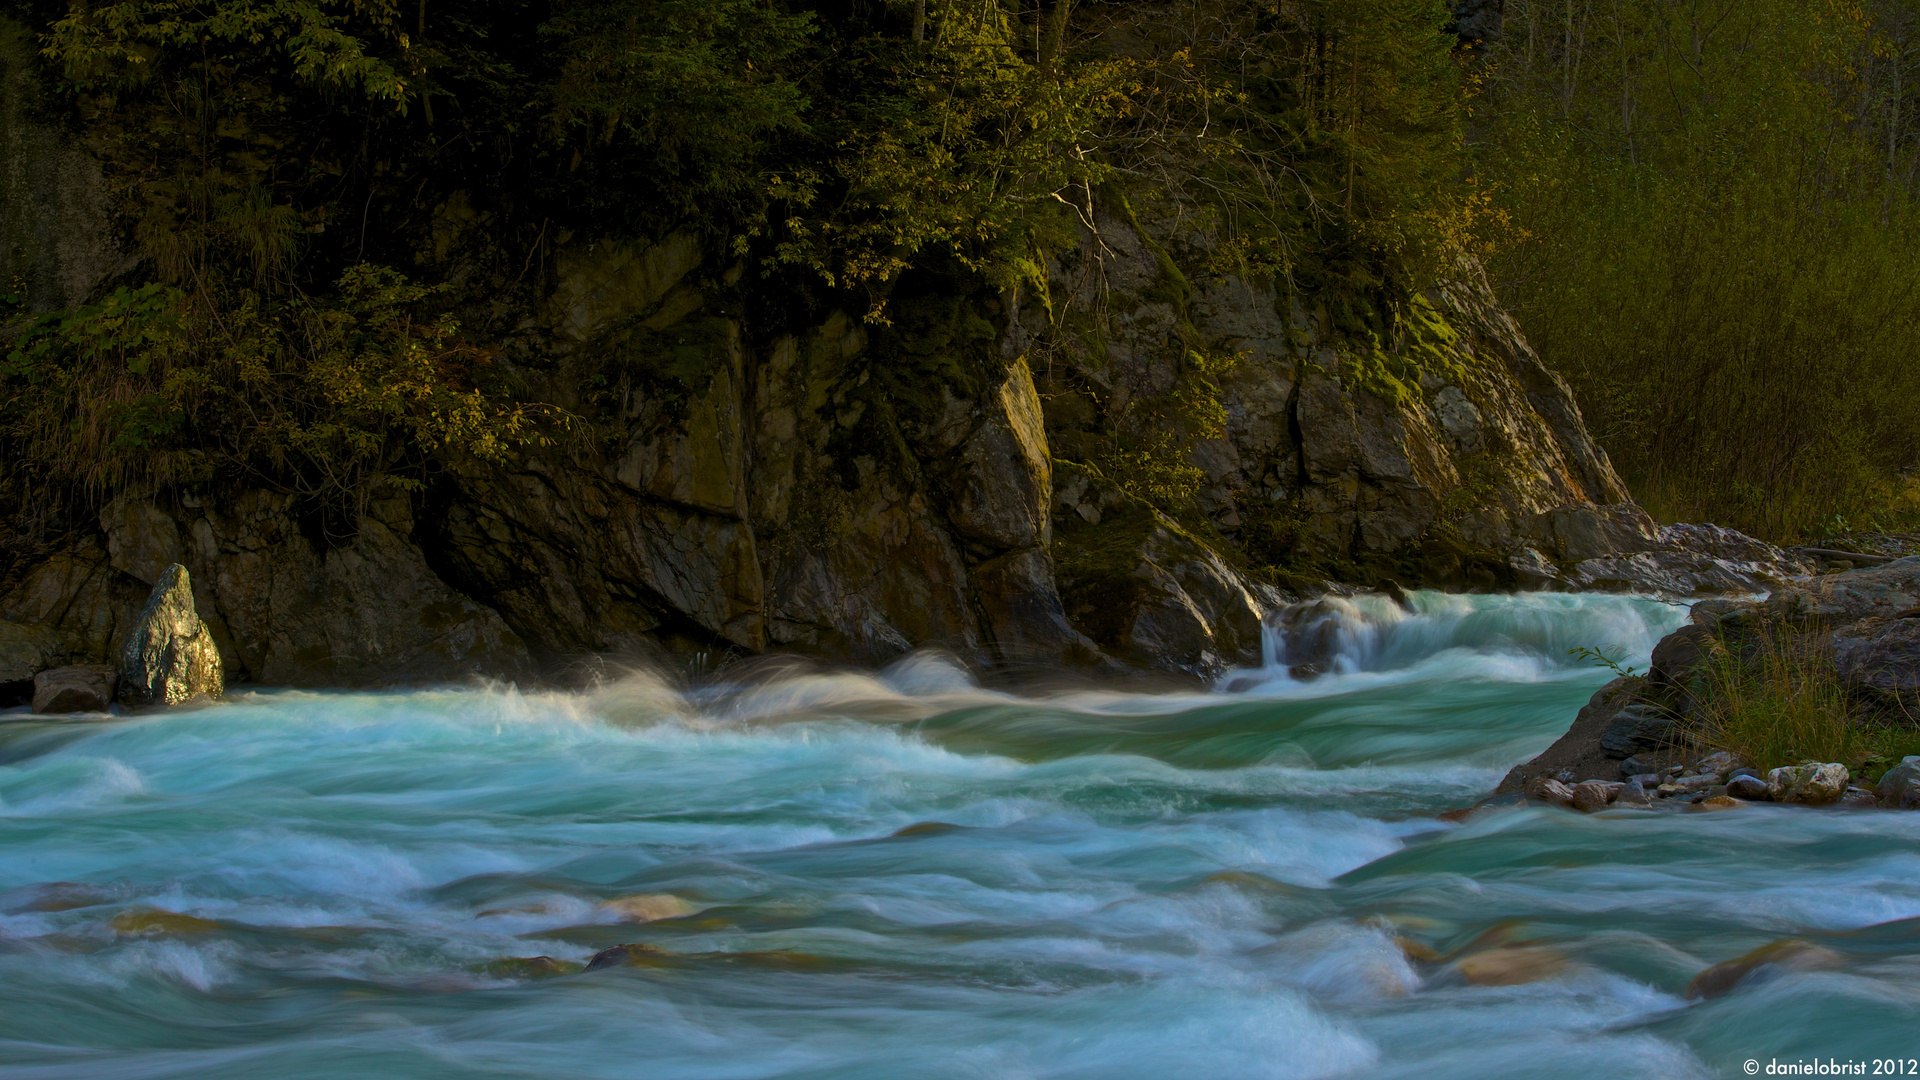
{"points": [[1548, 790], [1592, 796], [169, 657], [1812, 783]]}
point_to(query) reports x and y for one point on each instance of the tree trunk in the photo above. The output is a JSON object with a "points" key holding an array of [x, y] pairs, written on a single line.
{"points": [[1056, 35]]}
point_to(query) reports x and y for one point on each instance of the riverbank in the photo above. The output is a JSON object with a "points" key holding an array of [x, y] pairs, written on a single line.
{"points": [[1806, 696]]}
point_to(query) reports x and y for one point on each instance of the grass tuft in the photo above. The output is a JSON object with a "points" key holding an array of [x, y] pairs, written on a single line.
{"points": [[1774, 700]]}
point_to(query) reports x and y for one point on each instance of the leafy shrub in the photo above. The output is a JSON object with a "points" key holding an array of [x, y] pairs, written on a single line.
{"points": [[149, 387]]}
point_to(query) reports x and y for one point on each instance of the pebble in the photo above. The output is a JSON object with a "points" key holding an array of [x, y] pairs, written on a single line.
{"points": [[1688, 785], [1632, 793], [1715, 802]]}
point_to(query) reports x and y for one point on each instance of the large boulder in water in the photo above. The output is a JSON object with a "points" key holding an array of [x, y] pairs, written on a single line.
{"points": [[169, 657]]}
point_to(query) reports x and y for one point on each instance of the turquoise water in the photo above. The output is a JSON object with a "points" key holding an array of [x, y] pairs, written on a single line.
{"points": [[1100, 884]]}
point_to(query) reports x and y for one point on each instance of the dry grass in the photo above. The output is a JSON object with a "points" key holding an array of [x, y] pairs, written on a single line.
{"points": [[1775, 701]]}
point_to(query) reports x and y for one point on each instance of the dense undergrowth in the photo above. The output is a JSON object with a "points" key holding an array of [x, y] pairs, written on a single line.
{"points": [[1718, 202], [344, 209]]}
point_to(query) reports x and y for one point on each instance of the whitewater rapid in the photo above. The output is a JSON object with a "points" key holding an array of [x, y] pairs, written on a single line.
{"points": [[904, 874]]}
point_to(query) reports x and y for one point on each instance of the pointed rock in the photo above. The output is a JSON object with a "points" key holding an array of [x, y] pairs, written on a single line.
{"points": [[169, 657]]}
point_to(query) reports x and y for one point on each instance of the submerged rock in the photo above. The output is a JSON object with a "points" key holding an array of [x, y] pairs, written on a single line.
{"points": [[74, 689], [1813, 783], [157, 921], [626, 956], [648, 907], [530, 967], [1765, 962], [170, 656], [1511, 965]]}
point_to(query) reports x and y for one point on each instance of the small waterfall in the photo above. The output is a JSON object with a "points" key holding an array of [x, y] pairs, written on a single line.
{"points": [[1332, 635], [1348, 635]]}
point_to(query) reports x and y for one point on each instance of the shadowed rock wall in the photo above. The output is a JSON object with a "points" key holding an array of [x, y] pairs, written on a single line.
{"points": [[945, 479]]}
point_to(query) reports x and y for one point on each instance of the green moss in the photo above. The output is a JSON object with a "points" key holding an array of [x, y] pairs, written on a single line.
{"points": [[1171, 285], [1418, 340]]}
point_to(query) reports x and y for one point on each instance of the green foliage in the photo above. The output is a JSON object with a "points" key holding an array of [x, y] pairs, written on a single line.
{"points": [[1605, 656], [323, 42], [149, 388], [268, 153], [1722, 208], [1324, 134], [697, 89]]}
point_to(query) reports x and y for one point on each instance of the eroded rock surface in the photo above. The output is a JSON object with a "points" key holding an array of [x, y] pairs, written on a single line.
{"points": [[76, 688], [25, 651], [169, 657]]}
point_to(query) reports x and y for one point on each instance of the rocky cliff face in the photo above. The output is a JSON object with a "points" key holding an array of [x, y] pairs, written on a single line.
{"points": [[977, 475]]}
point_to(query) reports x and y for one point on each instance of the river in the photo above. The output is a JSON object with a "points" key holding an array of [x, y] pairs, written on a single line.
{"points": [[902, 874]]}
